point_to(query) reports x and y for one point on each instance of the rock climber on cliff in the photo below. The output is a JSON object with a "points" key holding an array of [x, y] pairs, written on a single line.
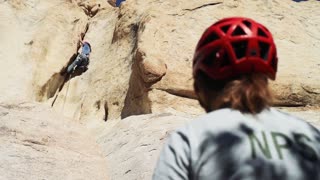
{"points": [[241, 136], [82, 60]]}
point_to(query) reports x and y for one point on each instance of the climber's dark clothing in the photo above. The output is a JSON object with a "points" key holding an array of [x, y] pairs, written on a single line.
{"points": [[118, 2], [81, 63]]}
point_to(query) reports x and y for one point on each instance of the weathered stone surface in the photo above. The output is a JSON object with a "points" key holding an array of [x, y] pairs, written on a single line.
{"points": [[133, 144], [141, 48], [152, 46], [36, 143]]}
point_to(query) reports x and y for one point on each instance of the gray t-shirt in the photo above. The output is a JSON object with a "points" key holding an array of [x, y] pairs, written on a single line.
{"points": [[229, 145]]}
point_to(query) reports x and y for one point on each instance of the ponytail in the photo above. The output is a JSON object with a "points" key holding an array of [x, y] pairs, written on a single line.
{"points": [[248, 94]]}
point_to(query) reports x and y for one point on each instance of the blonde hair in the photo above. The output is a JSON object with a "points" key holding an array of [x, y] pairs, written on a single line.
{"points": [[248, 93]]}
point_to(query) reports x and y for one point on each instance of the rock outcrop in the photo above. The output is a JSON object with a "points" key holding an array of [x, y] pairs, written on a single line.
{"points": [[142, 53], [145, 63]]}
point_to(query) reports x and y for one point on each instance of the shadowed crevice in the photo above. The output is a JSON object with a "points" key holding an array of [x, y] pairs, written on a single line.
{"points": [[203, 6], [185, 93]]}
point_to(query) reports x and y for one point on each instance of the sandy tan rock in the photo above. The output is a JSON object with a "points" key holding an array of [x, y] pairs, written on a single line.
{"points": [[103, 87], [13, 85], [153, 46], [133, 144], [295, 85], [169, 36], [55, 41], [37, 143], [38, 40], [140, 52]]}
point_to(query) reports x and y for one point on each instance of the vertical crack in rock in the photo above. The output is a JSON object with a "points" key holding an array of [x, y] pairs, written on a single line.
{"points": [[194, 9], [288, 104], [50, 87], [106, 111], [119, 32], [114, 35], [145, 73], [202, 6], [136, 101]]}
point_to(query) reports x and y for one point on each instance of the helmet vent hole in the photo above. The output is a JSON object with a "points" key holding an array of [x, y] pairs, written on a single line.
{"points": [[210, 59], [240, 49], [209, 39], [248, 24], [262, 33], [238, 31], [225, 60], [225, 28], [264, 50]]}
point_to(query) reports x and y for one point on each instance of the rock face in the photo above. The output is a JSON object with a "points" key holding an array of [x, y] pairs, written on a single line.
{"points": [[140, 64], [142, 53], [144, 61], [36, 143], [163, 58]]}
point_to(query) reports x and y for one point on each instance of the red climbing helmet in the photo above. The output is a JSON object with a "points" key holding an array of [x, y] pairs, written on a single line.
{"points": [[235, 46]]}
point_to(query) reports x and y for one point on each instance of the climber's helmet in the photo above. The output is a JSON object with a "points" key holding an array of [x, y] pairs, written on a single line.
{"points": [[235, 46], [86, 48]]}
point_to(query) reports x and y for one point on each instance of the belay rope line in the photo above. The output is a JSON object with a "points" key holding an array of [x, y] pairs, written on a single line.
{"points": [[57, 93], [65, 97]]}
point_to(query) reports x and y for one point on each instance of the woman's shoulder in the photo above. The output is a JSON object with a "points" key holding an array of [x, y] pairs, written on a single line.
{"points": [[219, 118], [215, 121], [231, 120], [280, 116]]}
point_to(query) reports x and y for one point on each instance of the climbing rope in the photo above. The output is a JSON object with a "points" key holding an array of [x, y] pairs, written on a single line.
{"points": [[65, 97]]}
